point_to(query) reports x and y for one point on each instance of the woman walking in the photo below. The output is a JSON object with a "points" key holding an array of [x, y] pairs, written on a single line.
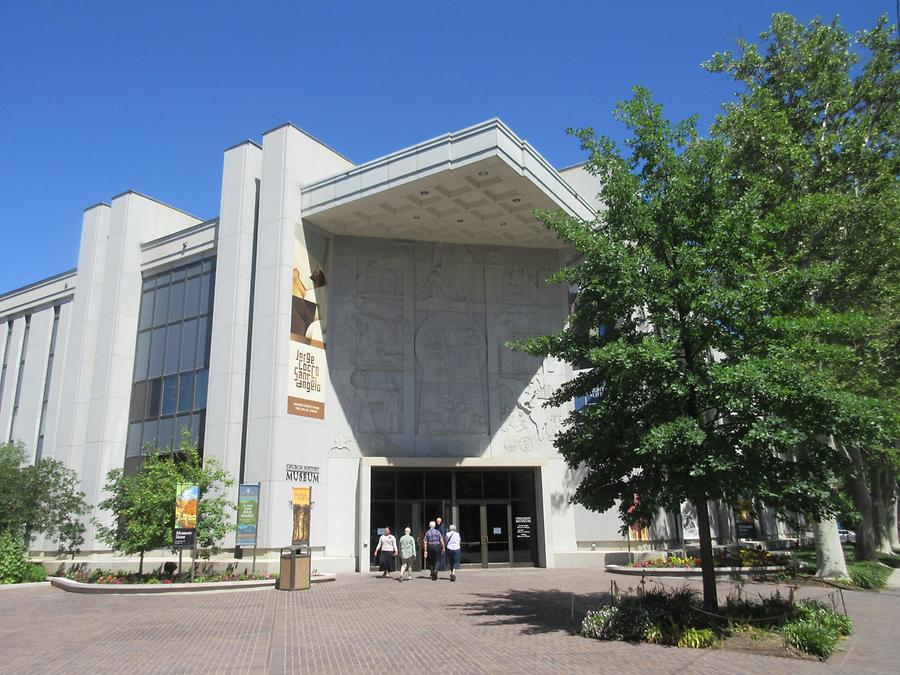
{"points": [[453, 548], [407, 553], [387, 550]]}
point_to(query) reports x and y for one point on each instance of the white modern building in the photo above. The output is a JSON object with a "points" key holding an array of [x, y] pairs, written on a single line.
{"points": [[338, 325]]}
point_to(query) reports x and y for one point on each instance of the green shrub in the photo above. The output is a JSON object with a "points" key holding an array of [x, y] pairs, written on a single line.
{"points": [[595, 624], [824, 616], [627, 621], [868, 576], [810, 637], [13, 561], [696, 638], [776, 609], [33, 573], [654, 635]]}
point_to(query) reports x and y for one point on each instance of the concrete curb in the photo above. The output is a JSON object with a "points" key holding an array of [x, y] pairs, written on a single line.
{"points": [[689, 571], [72, 586], [30, 584]]}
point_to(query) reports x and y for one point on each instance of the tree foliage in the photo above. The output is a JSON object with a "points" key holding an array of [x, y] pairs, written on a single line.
{"points": [[814, 133], [40, 498], [707, 321], [142, 504]]}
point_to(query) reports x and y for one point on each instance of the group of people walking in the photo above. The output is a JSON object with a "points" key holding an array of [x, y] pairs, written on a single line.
{"points": [[440, 549]]}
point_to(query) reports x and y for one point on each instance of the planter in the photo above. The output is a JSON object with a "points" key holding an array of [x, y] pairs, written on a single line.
{"points": [[690, 571], [73, 586]]}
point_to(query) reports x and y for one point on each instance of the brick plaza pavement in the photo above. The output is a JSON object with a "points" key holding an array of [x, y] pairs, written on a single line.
{"points": [[490, 621]]}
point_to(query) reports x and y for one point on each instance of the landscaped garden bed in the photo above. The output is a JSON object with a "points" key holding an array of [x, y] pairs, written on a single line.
{"points": [[867, 574], [749, 562], [773, 625], [158, 577]]}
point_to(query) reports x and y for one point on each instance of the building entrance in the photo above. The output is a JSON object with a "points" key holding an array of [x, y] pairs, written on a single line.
{"points": [[486, 534], [493, 510]]}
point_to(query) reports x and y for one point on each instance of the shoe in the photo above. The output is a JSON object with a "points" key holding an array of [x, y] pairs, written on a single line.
{"points": [[452, 577]]}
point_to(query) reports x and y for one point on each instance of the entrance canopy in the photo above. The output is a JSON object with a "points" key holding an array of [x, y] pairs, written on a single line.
{"points": [[475, 186]]}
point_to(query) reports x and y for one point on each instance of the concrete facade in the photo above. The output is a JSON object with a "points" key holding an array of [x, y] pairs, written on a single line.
{"points": [[435, 262]]}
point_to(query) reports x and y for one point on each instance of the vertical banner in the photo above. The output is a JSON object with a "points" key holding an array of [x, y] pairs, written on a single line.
{"points": [[301, 500], [309, 290], [247, 515], [186, 499], [689, 526], [744, 523]]}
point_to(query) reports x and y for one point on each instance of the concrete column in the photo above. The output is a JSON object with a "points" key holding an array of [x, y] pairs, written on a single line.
{"points": [[231, 306], [78, 368], [134, 219]]}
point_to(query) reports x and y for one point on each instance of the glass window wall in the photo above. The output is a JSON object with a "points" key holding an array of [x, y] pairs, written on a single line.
{"points": [[171, 364]]}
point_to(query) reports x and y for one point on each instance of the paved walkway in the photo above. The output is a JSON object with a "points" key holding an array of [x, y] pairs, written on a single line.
{"points": [[492, 621]]}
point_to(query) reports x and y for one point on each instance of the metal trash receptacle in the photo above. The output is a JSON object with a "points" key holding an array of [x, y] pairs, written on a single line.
{"points": [[294, 570]]}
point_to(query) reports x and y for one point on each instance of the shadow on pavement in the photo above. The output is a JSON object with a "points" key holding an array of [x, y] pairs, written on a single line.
{"points": [[534, 611]]}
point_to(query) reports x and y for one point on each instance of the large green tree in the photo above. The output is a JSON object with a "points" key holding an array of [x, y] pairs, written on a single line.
{"points": [[142, 504], [702, 398], [813, 132], [40, 498]]}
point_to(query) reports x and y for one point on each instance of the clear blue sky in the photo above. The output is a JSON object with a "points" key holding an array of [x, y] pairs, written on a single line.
{"points": [[100, 97]]}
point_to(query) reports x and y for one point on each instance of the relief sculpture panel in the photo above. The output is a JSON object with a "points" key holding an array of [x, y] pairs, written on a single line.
{"points": [[449, 273], [369, 333], [451, 355]]}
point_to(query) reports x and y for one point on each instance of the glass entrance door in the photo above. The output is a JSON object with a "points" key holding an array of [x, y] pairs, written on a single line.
{"points": [[495, 533], [469, 528], [484, 529]]}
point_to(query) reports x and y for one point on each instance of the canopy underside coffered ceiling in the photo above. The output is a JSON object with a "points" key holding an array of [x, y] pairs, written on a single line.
{"points": [[478, 186]]}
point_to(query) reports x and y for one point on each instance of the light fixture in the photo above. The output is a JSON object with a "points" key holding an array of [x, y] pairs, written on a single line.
{"points": [[460, 220], [424, 193], [516, 200], [502, 223], [416, 217], [482, 173]]}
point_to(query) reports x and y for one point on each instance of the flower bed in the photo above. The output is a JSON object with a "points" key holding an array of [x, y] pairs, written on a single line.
{"points": [[111, 577], [678, 619], [742, 558]]}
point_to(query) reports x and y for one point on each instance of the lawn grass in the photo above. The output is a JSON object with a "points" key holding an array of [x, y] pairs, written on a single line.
{"points": [[863, 573]]}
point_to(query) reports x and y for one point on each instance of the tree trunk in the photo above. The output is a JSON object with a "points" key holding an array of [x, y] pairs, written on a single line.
{"points": [[710, 597], [884, 501], [891, 513], [829, 554], [862, 501], [141, 565]]}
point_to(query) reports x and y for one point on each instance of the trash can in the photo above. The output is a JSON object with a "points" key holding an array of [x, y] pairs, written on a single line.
{"points": [[294, 570]]}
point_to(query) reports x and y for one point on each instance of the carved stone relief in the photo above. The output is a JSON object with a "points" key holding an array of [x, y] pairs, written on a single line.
{"points": [[519, 322], [449, 272], [451, 353], [380, 276], [452, 409], [373, 401], [369, 332]]}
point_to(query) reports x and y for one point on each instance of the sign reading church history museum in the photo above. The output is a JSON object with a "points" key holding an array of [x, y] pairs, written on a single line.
{"points": [[306, 388], [299, 473]]}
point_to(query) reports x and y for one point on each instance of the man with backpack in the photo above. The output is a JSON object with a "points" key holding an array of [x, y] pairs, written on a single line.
{"points": [[433, 548]]}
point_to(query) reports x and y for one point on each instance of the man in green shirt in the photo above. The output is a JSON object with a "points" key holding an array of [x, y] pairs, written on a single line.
{"points": [[407, 553]]}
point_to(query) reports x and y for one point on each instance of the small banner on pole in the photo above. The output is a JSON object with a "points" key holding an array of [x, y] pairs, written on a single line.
{"points": [[186, 501], [247, 515]]}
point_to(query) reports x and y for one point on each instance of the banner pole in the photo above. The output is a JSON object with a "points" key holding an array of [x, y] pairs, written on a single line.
{"points": [[256, 534], [193, 556]]}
